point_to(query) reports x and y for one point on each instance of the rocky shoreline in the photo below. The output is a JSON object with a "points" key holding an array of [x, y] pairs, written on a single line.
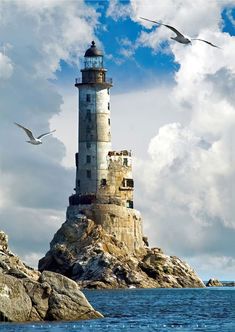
{"points": [[28, 295], [83, 251]]}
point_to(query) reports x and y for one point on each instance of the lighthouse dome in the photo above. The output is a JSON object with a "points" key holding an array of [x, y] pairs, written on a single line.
{"points": [[93, 51]]}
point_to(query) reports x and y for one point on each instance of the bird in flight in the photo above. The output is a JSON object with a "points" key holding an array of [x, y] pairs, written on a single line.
{"points": [[179, 36], [34, 140]]}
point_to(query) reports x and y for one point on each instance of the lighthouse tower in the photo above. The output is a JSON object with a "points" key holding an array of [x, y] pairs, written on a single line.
{"points": [[94, 123], [104, 184]]}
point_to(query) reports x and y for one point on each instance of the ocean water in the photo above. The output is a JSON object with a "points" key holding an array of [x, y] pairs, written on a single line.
{"points": [[210, 309]]}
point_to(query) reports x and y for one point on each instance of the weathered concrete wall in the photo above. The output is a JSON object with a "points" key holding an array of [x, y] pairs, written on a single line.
{"points": [[124, 223], [117, 185], [94, 137]]}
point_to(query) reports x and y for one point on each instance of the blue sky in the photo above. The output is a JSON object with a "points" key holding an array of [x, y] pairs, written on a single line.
{"points": [[172, 105], [146, 65], [143, 67]]}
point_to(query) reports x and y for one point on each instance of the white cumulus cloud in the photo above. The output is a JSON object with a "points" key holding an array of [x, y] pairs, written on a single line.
{"points": [[34, 184], [6, 67]]}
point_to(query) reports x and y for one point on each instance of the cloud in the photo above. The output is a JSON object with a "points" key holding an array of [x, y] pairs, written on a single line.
{"points": [[6, 67], [67, 134], [184, 183], [34, 183], [118, 10], [186, 16], [222, 266], [189, 175]]}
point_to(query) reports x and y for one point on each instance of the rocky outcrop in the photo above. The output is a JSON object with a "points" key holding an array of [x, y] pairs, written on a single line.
{"points": [[214, 283], [85, 252], [11, 264], [28, 295]]}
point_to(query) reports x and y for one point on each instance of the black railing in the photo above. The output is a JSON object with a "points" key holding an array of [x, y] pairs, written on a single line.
{"points": [[107, 80]]}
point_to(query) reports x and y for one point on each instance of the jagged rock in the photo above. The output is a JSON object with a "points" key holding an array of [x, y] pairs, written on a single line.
{"points": [[15, 304], [83, 251], [11, 264], [28, 295], [214, 283], [3, 241], [66, 297]]}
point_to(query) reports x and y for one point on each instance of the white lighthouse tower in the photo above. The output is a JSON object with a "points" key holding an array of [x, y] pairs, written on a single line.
{"points": [[94, 123], [104, 184]]}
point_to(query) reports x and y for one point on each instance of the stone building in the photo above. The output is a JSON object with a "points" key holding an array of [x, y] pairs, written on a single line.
{"points": [[104, 183]]}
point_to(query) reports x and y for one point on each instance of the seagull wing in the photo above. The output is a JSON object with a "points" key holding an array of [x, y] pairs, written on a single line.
{"points": [[174, 29], [46, 134], [146, 19], [205, 41], [166, 25], [28, 131]]}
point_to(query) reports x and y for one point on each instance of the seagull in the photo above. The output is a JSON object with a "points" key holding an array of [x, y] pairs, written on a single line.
{"points": [[179, 37], [33, 140]]}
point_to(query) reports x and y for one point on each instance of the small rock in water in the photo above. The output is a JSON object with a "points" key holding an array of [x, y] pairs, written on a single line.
{"points": [[214, 283]]}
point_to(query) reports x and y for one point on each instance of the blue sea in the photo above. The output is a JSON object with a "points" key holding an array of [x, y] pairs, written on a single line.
{"points": [[209, 309]]}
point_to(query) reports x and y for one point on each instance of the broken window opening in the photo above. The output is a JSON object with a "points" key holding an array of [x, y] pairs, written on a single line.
{"points": [[103, 182], [128, 183], [130, 204], [125, 161]]}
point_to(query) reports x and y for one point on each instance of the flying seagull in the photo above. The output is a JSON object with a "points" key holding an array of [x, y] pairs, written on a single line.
{"points": [[179, 37], [34, 140]]}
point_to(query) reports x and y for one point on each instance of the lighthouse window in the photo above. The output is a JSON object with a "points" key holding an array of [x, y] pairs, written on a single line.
{"points": [[125, 161], [88, 159], [108, 106], [130, 183], [88, 174], [88, 97], [88, 115], [108, 91], [130, 204], [103, 182], [109, 121]]}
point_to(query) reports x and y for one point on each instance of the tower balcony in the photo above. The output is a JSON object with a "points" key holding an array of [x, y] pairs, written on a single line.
{"points": [[107, 81]]}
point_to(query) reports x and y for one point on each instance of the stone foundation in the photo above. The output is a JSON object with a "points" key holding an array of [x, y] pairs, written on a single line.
{"points": [[123, 223]]}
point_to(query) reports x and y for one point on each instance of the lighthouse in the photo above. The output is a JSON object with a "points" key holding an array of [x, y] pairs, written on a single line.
{"points": [[104, 184], [94, 123]]}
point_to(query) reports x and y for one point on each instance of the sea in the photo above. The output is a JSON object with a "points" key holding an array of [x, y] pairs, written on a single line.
{"points": [[209, 309]]}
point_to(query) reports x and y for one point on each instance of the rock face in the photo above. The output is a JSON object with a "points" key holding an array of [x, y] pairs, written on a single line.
{"points": [[28, 295], [11, 264], [85, 252], [214, 283], [124, 223]]}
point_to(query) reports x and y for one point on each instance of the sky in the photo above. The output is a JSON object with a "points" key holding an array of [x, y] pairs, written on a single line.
{"points": [[173, 105]]}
